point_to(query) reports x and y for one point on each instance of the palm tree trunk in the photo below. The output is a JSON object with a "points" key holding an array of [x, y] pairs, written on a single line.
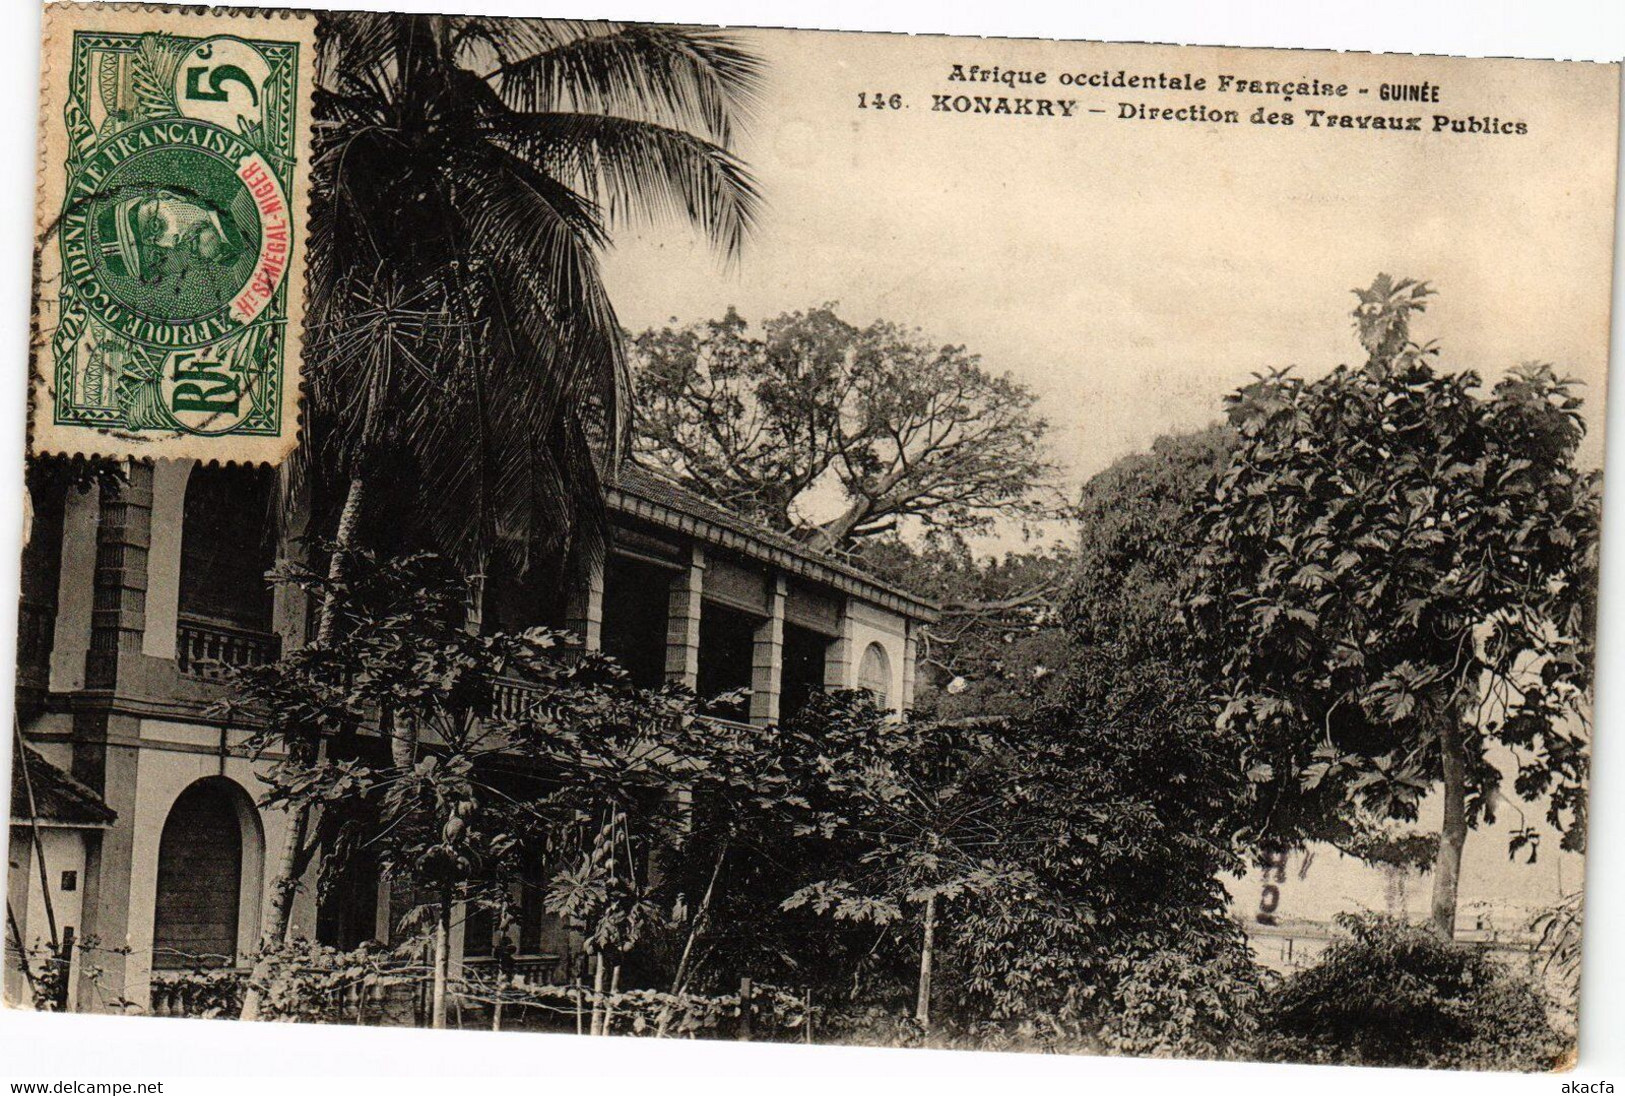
{"points": [[403, 739], [1453, 831], [922, 1004], [276, 920], [594, 1027], [442, 960], [274, 925], [344, 538]]}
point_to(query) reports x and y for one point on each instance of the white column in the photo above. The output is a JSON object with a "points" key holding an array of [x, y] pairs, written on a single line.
{"points": [[75, 590], [840, 667], [767, 658], [169, 479], [289, 604], [683, 623], [584, 611], [910, 657]]}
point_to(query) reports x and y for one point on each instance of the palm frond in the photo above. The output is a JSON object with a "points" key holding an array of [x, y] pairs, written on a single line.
{"points": [[354, 41], [538, 238], [683, 77], [459, 334], [639, 171]]}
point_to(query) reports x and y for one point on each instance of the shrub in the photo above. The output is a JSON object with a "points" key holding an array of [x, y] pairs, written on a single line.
{"points": [[1039, 1033], [300, 981], [1392, 994], [1195, 995]]}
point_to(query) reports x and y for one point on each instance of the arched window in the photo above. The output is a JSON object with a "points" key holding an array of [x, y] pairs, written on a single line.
{"points": [[200, 877], [227, 545], [874, 674]]}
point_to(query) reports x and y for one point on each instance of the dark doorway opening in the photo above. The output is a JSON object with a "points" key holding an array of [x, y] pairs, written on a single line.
{"points": [[200, 874], [637, 599], [727, 649], [805, 652]]}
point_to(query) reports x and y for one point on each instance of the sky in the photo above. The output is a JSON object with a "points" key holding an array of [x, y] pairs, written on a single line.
{"points": [[1133, 272]]}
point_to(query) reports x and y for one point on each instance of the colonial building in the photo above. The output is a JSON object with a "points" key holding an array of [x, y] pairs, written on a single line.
{"points": [[142, 838]]}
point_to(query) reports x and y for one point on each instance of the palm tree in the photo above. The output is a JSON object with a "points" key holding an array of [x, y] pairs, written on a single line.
{"points": [[466, 175], [465, 378]]}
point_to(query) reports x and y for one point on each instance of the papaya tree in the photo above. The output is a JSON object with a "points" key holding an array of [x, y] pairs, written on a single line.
{"points": [[511, 730], [930, 809]]}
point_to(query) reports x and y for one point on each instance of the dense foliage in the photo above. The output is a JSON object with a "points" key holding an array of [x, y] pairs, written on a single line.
{"points": [[1394, 994], [502, 748], [1122, 929], [987, 872], [1401, 569]]}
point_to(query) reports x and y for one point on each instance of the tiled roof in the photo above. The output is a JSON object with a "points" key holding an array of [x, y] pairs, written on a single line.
{"points": [[59, 799], [645, 494]]}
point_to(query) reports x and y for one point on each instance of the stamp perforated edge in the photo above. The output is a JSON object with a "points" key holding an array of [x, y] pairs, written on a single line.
{"points": [[56, 20]]}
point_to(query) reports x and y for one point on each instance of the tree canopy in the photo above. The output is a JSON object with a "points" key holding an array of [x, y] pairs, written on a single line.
{"points": [[874, 426], [1401, 568]]}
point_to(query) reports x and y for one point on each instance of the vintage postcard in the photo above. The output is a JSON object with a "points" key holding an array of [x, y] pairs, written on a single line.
{"points": [[174, 161], [545, 525]]}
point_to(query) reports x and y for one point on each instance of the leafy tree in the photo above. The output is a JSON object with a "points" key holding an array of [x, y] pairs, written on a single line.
{"points": [[895, 427], [1103, 800], [1139, 552], [1128, 802], [932, 808], [1558, 929], [1014, 869], [1391, 994], [999, 640], [1136, 794], [466, 174], [766, 820], [851, 437], [517, 737], [1135, 545], [1401, 570], [742, 807]]}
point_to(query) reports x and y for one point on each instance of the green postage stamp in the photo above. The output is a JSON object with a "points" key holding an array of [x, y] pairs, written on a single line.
{"points": [[171, 220]]}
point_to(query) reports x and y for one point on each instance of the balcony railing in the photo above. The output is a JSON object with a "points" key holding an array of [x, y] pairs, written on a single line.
{"points": [[546, 969], [210, 650], [513, 699]]}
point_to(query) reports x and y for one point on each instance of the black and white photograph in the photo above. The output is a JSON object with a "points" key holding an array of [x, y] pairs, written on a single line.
{"points": [[577, 529]]}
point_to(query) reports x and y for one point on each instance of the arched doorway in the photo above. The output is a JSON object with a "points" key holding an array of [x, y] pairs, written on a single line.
{"points": [[874, 674], [200, 878]]}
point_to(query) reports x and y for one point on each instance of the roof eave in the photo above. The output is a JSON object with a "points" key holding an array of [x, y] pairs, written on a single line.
{"points": [[623, 498]]}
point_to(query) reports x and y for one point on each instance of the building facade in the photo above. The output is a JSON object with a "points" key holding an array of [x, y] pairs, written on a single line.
{"points": [[145, 844]]}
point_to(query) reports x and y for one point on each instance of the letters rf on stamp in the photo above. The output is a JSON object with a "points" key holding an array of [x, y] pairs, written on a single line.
{"points": [[174, 155]]}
